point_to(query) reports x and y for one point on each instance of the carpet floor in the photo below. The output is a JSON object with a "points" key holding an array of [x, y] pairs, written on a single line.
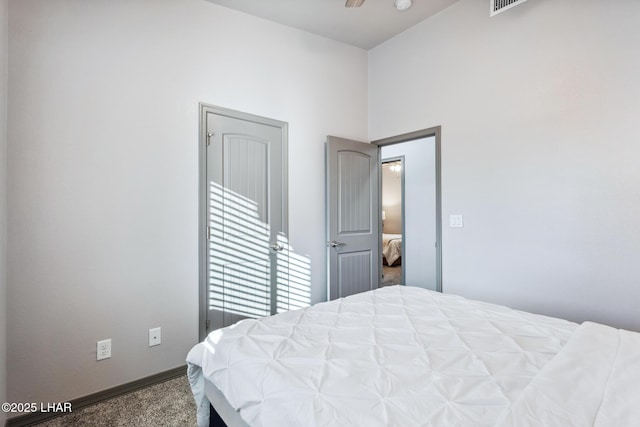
{"points": [[391, 275], [169, 404]]}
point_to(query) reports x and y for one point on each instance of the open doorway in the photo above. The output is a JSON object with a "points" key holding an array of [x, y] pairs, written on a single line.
{"points": [[354, 213], [392, 196], [410, 210]]}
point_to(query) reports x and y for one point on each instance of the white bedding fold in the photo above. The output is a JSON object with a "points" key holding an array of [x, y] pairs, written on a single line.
{"points": [[196, 380], [594, 381]]}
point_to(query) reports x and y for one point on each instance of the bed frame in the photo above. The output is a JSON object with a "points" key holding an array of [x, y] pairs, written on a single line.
{"points": [[221, 414]]}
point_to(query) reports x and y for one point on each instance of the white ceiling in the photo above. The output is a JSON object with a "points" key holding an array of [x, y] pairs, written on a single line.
{"points": [[366, 26]]}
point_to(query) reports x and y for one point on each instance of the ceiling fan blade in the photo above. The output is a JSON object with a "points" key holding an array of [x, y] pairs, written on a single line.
{"points": [[354, 3]]}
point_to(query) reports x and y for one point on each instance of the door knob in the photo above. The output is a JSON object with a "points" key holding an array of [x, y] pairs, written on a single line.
{"points": [[335, 244], [277, 247]]}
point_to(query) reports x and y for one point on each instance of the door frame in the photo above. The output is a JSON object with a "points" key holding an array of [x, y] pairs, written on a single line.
{"points": [[203, 140], [402, 207], [410, 136]]}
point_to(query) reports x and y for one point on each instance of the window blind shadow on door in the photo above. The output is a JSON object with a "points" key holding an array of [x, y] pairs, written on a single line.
{"points": [[239, 261], [294, 278]]}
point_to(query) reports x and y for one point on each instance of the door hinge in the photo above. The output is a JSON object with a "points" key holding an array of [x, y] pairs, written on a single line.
{"points": [[207, 324], [208, 233], [209, 135]]}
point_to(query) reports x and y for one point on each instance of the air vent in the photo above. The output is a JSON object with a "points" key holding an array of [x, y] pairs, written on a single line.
{"points": [[354, 3], [498, 6]]}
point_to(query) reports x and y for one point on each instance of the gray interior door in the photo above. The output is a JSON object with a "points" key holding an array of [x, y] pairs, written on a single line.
{"points": [[353, 221], [245, 216]]}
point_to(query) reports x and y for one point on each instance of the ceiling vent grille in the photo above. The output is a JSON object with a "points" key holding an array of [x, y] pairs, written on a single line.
{"points": [[498, 6]]}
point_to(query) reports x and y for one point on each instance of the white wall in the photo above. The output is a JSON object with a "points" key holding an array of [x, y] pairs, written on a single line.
{"points": [[419, 259], [103, 173], [538, 108], [3, 203]]}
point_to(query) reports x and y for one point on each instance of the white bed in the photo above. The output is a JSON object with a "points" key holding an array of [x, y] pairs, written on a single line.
{"points": [[404, 356], [391, 247]]}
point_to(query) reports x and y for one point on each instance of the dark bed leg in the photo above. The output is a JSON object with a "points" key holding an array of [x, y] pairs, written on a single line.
{"points": [[214, 418]]}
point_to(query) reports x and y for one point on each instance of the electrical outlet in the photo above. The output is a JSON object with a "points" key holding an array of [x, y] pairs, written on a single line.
{"points": [[103, 349], [155, 337]]}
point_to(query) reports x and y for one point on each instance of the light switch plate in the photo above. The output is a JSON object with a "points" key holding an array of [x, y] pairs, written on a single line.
{"points": [[456, 221]]}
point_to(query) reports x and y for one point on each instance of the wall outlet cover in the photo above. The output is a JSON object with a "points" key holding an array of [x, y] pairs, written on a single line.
{"points": [[103, 349], [155, 337]]}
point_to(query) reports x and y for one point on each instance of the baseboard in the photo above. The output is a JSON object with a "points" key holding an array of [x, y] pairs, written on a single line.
{"points": [[81, 402]]}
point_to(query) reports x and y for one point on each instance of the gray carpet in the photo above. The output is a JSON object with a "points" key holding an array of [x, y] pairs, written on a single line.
{"points": [[168, 404], [391, 275]]}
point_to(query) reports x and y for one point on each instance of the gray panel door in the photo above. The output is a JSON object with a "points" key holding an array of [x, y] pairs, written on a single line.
{"points": [[246, 218], [353, 222]]}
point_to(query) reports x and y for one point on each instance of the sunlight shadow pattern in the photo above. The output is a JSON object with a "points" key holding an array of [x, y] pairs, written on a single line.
{"points": [[241, 278], [294, 278]]}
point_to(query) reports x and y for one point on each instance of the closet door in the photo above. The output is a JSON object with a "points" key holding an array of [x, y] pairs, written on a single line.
{"points": [[246, 221]]}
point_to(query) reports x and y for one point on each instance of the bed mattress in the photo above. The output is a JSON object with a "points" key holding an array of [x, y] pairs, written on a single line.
{"points": [[391, 247], [397, 355]]}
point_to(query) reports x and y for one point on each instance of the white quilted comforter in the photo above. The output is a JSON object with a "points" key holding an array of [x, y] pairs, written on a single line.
{"points": [[396, 356], [593, 382]]}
